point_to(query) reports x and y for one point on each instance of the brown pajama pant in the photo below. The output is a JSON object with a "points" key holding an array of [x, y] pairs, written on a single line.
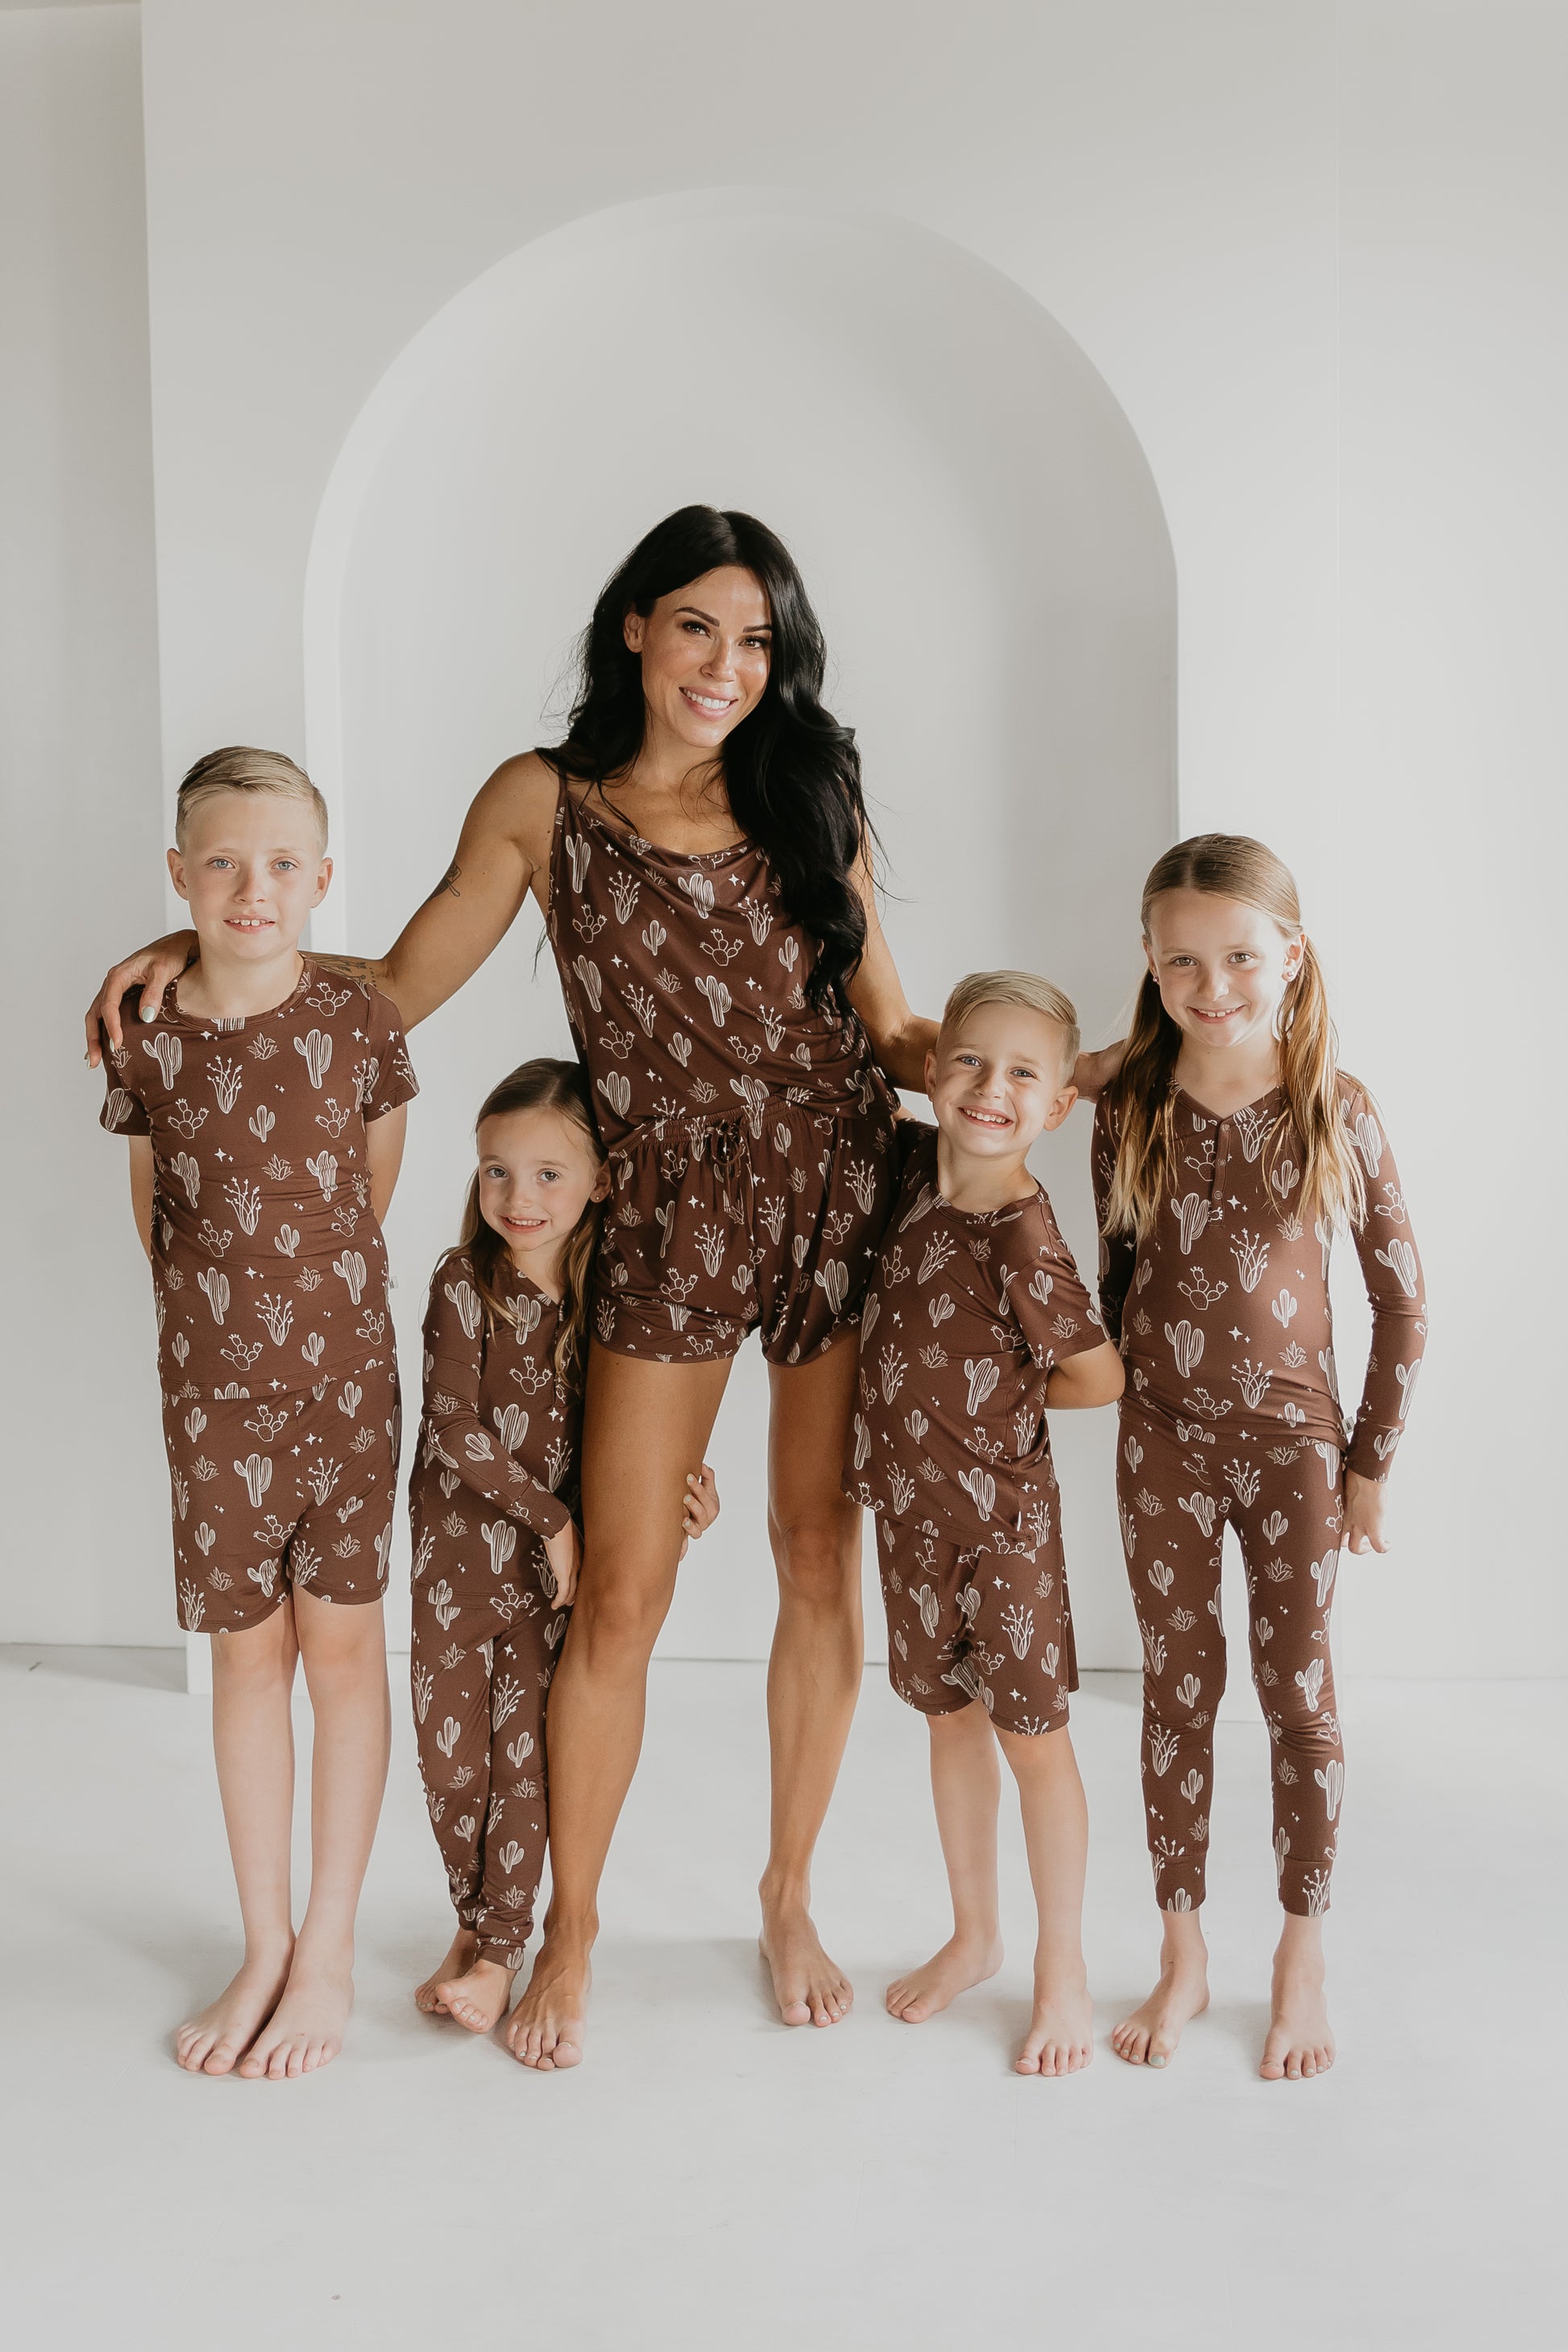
{"points": [[989, 1626], [1284, 1502], [478, 1716]]}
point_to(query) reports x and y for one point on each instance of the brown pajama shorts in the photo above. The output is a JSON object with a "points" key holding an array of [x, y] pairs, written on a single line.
{"points": [[989, 1625], [718, 1229]]}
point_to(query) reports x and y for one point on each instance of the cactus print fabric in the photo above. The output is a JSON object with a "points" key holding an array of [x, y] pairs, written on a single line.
{"points": [[1233, 1414], [1286, 1503], [964, 1625], [749, 1135], [495, 1472], [965, 1316], [275, 1347], [1223, 1314]]}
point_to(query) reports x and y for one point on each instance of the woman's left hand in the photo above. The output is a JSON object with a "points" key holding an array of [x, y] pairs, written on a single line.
{"points": [[700, 1507], [1365, 1507]]}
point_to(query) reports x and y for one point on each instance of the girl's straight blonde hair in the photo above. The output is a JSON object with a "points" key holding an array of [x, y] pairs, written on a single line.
{"points": [[562, 1087], [1140, 1098]]}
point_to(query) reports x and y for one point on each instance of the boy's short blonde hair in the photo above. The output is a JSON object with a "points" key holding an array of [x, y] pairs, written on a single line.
{"points": [[1024, 988], [240, 769]]}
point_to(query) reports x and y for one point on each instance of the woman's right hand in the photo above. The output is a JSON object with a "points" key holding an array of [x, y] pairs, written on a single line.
{"points": [[151, 969]]}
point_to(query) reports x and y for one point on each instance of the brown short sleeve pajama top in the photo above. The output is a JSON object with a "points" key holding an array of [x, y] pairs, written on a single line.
{"points": [[275, 1345], [1232, 1416], [749, 1135], [494, 1474], [965, 1316]]}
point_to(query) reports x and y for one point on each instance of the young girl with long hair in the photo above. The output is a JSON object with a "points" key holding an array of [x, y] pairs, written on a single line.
{"points": [[493, 1491], [1227, 1152]]}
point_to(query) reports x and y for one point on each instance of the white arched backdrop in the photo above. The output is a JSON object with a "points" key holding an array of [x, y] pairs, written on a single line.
{"points": [[982, 538]]}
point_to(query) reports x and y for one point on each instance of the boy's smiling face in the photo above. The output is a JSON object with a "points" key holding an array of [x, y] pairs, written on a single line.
{"points": [[251, 869], [997, 1080]]}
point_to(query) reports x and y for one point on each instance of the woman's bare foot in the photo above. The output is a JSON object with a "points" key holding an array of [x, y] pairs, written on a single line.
{"points": [[1149, 2037], [962, 1961], [1299, 2043], [547, 2028], [478, 1997], [459, 1958], [216, 2041], [1061, 2040], [306, 2029], [808, 1988]]}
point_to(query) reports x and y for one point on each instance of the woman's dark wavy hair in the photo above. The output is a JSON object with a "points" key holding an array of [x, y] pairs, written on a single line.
{"points": [[791, 770]]}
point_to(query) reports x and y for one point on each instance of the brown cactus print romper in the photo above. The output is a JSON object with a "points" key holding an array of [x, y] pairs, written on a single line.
{"points": [[748, 1136], [1232, 1413], [964, 1319], [275, 1345], [495, 1473]]}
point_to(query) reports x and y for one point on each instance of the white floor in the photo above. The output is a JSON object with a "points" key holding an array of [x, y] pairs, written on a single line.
{"points": [[710, 2181]]}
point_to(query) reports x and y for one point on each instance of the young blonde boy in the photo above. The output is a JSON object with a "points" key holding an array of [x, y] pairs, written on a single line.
{"points": [[976, 1323], [263, 1102]]}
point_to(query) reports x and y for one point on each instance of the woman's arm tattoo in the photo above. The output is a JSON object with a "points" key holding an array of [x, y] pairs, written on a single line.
{"points": [[447, 882], [349, 967]]}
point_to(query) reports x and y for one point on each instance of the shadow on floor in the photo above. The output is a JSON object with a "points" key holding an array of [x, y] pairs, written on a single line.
{"points": [[141, 1669]]}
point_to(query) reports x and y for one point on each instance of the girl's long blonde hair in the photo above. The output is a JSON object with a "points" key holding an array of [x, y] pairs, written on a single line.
{"points": [[561, 1086], [1140, 1098]]}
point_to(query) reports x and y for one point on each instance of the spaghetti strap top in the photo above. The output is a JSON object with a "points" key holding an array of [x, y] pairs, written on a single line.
{"points": [[684, 981]]}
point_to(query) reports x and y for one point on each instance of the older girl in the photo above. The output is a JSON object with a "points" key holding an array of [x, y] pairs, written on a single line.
{"points": [[1227, 1152], [496, 1548]]}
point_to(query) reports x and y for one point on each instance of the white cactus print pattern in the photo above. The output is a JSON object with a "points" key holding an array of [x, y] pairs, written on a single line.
{"points": [[970, 1314], [258, 1364], [750, 1136], [486, 1637], [1236, 1420], [949, 1448]]}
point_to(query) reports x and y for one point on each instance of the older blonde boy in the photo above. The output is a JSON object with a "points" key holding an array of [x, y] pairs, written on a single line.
{"points": [[977, 1324], [264, 1108]]}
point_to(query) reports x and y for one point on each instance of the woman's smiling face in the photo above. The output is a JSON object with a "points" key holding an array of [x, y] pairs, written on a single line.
{"points": [[1222, 966], [706, 650]]}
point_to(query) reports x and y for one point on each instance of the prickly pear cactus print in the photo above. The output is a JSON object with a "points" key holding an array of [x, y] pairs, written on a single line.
{"points": [[275, 1347]]}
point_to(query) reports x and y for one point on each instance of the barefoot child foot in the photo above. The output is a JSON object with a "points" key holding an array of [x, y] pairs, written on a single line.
{"points": [[963, 1961], [1061, 2040], [1149, 2036], [306, 2029], [477, 1999], [810, 1988], [460, 1955], [215, 2042], [548, 2027], [1299, 2043]]}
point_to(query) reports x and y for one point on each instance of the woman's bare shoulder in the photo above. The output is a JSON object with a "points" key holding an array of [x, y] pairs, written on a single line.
{"points": [[518, 800]]}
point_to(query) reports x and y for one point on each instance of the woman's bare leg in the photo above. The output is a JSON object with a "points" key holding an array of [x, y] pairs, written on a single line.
{"points": [[814, 1671], [345, 1655], [253, 1742], [645, 1426]]}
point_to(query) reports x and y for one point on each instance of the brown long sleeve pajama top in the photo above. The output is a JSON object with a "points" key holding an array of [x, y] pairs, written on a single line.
{"points": [[494, 1474], [1232, 1413]]}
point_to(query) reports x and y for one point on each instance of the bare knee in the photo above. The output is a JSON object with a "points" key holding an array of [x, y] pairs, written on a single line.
{"points": [[617, 1617], [256, 1658], [818, 1557]]}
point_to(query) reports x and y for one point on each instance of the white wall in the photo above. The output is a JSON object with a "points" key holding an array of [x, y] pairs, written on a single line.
{"points": [[1314, 253], [84, 1556]]}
